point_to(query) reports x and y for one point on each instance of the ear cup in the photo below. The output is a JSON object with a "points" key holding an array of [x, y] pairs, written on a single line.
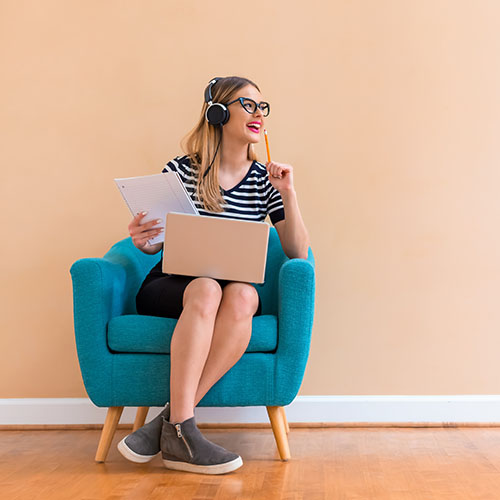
{"points": [[217, 114]]}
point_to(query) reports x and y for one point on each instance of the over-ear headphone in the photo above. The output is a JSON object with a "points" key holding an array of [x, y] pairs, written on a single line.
{"points": [[216, 113]]}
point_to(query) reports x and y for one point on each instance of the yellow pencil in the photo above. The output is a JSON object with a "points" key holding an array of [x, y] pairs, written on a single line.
{"points": [[267, 146]]}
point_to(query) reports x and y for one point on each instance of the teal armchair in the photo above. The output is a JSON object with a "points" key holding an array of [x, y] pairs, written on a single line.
{"points": [[120, 351]]}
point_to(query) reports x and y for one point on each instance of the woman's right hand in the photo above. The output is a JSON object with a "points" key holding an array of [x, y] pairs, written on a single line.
{"points": [[141, 233]]}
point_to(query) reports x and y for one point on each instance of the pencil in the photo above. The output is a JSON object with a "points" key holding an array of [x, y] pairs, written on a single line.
{"points": [[267, 146]]}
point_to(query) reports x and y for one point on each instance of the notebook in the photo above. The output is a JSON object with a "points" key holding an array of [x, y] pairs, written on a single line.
{"points": [[157, 194], [215, 247]]}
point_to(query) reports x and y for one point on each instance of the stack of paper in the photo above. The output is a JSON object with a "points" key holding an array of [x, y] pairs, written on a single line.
{"points": [[156, 194]]}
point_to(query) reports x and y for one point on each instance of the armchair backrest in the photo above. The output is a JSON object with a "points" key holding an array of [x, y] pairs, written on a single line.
{"points": [[137, 264]]}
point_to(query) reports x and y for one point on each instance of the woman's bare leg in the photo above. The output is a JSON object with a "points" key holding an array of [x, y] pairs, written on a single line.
{"points": [[232, 332], [190, 345]]}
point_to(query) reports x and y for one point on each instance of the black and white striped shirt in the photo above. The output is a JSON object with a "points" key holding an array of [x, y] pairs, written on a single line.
{"points": [[253, 198]]}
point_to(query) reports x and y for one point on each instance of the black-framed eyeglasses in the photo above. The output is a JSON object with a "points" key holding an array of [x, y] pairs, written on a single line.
{"points": [[250, 106]]}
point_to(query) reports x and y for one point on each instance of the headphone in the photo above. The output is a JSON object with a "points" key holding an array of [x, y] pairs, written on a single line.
{"points": [[216, 114]]}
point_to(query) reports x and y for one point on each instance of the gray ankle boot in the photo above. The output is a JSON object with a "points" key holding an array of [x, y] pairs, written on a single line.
{"points": [[183, 447], [144, 444]]}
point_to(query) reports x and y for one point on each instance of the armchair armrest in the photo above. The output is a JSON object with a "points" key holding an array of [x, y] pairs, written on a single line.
{"points": [[98, 295], [296, 285]]}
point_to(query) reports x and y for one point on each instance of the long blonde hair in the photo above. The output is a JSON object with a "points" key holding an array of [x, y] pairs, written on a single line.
{"points": [[201, 142]]}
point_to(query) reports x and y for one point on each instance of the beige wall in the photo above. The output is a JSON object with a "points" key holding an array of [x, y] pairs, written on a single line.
{"points": [[388, 111]]}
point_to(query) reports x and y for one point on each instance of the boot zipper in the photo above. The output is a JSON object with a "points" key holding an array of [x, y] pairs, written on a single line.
{"points": [[179, 434]]}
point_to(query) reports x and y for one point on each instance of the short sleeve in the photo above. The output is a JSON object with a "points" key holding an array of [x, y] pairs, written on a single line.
{"points": [[275, 207], [172, 165]]}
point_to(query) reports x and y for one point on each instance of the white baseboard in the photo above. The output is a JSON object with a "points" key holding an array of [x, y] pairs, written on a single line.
{"points": [[328, 409]]}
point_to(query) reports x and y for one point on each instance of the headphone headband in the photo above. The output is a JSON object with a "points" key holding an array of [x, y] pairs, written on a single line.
{"points": [[208, 90]]}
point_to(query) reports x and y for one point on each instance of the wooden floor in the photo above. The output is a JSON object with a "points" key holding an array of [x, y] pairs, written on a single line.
{"points": [[327, 463]]}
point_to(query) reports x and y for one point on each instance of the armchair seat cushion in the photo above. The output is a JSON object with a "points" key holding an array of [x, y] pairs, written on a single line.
{"points": [[131, 333]]}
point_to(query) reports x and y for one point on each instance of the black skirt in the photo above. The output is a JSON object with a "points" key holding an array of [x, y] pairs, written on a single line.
{"points": [[162, 294]]}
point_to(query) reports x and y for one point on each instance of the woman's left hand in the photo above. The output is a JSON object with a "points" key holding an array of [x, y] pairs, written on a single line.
{"points": [[280, 175]]}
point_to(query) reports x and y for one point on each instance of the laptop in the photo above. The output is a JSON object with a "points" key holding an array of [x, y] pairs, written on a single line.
{"points": [[215, 247]]}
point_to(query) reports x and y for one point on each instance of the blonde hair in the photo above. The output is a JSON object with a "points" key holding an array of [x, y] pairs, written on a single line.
{"points": [[201, 142]]}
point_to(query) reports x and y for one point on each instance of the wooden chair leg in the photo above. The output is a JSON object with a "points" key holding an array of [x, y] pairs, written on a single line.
{"points": [[283, 416], [279, 431], [108, 431], [140, 417]]}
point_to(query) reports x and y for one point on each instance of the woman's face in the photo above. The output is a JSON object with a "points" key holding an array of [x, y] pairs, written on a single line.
{"points": [[237, 128]]}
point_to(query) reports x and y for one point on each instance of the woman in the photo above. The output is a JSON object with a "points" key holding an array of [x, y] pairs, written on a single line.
{"points": [[214, 316]]}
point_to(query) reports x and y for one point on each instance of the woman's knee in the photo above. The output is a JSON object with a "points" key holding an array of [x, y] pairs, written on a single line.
{"points": [[240, 299], [203, 294]]}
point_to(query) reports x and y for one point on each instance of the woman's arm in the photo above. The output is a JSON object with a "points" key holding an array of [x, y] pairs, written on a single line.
{"points": [[293, 235]]}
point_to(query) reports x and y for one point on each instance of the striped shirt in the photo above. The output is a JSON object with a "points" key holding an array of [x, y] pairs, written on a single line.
{"points": [[253, 198]]}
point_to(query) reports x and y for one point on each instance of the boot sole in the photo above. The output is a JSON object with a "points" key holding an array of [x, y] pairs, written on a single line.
{"points": [[132, 455], [204, 469]]}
